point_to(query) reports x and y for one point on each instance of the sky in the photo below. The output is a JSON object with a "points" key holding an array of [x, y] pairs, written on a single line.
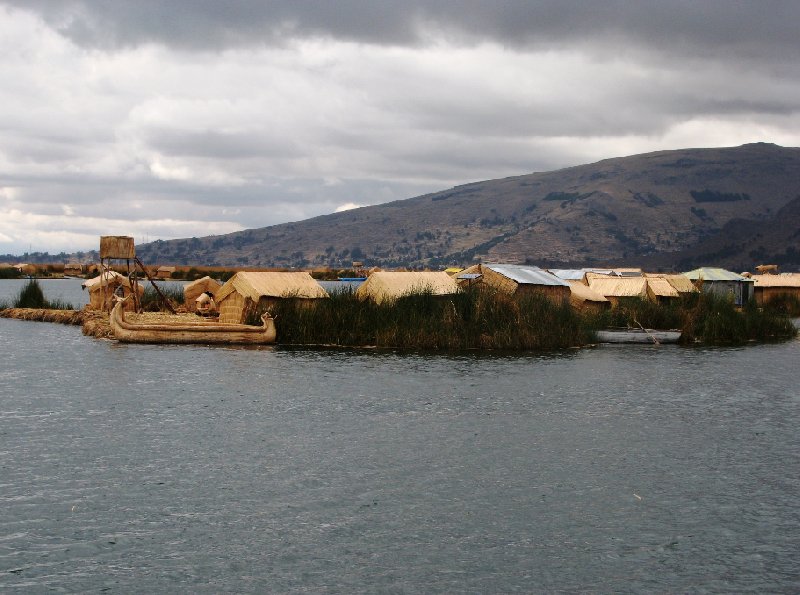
{"points": [[167, 119]]}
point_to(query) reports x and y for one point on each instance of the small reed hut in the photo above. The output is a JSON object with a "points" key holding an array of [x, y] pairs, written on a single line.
{"points": [[249, 292], [582, 297], [193, 290], [517, 279], [73, 269], [165, 272], [385, 285], [110, 281], [615, 289], [770, 286]]}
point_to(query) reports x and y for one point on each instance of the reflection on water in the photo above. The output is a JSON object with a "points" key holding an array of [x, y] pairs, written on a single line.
{"points": [[169, 468]]}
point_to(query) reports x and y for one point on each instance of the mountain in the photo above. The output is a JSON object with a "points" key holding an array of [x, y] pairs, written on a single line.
{"points": [[726, 206]]}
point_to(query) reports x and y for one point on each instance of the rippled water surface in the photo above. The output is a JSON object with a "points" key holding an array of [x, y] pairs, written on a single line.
{"points": [[193, 469]]}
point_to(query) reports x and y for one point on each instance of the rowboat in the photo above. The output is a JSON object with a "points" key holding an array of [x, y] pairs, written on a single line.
{"points": [[190, 332], [638, 335]]}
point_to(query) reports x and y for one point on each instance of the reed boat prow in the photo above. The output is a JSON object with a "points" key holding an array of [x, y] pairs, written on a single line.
{"points": [[190, 332]]}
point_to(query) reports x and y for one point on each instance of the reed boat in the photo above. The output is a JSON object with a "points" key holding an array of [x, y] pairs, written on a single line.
{"points": [[190, 332], [638, 335]]}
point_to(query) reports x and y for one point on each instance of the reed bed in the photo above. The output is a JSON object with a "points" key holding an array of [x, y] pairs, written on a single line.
{"points": [[32, 296], [703, 318], [473, 319]]}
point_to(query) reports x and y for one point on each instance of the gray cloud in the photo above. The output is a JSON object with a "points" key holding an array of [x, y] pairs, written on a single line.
{"points": [[763, 30], [196, 116]]}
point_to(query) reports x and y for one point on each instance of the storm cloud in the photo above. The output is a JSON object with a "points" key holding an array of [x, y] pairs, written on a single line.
{"points": [[189, 118]]}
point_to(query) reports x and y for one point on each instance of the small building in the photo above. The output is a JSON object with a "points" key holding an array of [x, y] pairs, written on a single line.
{"points": [[583, 297], [517, 279], [250, 292], [390, 285], [102, 288], [723, 283], [615, 288], [193, 290], [73, 269], [768, 287], [165, 272]]}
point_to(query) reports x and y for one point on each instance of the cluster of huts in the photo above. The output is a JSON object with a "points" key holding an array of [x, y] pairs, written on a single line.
{"points": [[586, 289]]}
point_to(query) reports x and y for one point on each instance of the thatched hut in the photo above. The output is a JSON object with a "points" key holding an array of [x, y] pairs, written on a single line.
{"points": [[517, 280], [165, 272], [615, 288], [585, 298], [385, 285], [663, 287], [193, 290], [109, 281], [723, 283], [768, 287], [250, 292], [73, 269]]}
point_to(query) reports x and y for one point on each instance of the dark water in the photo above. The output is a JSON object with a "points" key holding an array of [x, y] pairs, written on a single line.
{"points": [[191, 469]]}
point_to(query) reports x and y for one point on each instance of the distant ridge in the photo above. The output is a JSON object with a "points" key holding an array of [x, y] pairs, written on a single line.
{"points": [[732, 207]]}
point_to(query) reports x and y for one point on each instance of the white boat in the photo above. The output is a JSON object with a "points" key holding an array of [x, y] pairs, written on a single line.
{"points": [[638, 335]]}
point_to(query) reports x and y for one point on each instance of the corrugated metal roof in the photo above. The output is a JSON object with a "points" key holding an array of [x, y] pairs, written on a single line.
{"points": [[782, 280], [384, 285], [526, 275], [255, 285], [619, 286], [713, 274]]}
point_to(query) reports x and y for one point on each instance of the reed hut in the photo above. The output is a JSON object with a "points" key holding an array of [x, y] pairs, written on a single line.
{"points": [[663, 287], [519, 280], [768, 287], [615, 289], [249, 292], [384, 285], [583, 297], [109, 281], [73, 269], [723, 283], [193, 290], [165, 272]]}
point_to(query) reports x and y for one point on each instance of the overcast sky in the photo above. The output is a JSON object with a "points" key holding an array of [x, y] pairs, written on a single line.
{"points": [[179, 118]]}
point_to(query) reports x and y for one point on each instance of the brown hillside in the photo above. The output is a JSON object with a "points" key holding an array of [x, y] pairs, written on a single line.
{"points": [[663, 207]]}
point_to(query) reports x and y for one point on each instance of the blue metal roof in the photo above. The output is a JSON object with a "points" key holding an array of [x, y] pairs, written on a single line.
{"points": [[526, 275]]}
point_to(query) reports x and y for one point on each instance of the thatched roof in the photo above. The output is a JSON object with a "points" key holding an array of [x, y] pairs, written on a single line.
{"points": [[582, 293], [107, 277], [782, 280], [391, 285], [660, 287], [618, 286], [255, 285], [202, 284], [680, 283]]}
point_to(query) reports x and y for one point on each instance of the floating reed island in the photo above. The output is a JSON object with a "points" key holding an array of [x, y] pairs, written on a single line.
{"points": [[476, 317]]}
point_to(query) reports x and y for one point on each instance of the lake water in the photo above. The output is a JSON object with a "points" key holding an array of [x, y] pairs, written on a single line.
{"points": [[140, 469]]}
